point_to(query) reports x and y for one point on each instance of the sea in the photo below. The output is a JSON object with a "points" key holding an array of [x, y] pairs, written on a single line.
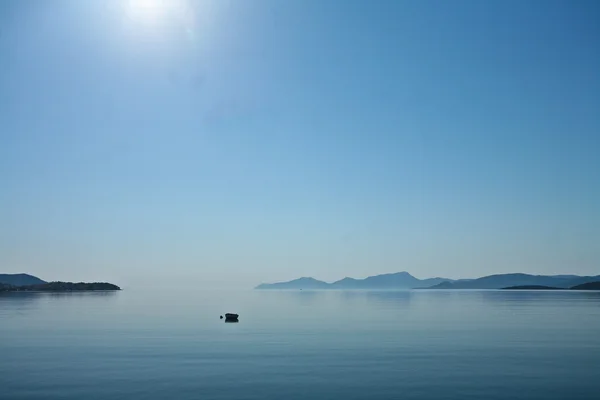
{"points": [[300, 344]]}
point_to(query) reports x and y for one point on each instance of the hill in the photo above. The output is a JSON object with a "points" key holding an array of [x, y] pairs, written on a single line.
{"points": [[300, 283], [404, 280], [65, 287], [6, 288], [502, 281], [587, 286], [20, 279], [532, 287], [399, 280]]}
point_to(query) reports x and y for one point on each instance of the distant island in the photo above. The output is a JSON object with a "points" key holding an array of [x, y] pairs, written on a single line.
{"points": [[587, 286], [20, 279], [29, 283], [532, 287], [504, 281], [404, 280], [399, 280], [584, 286]]}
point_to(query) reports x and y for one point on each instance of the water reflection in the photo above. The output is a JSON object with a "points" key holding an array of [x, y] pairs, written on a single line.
{"points": [[304, 297], [24, 302], [533, 296], [387, 298], [26, 296], [14, 304], [312, 297], [437, 294], [23, 297], [94, 294]]}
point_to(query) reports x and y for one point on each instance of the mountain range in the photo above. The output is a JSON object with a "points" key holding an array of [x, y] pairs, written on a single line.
{"points": [[20, 280], [507, 280], [399, 280], [404, 280], [25, 282]]}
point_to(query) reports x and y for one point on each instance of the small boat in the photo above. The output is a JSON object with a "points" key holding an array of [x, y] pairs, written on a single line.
{"points": [[231, 317]]}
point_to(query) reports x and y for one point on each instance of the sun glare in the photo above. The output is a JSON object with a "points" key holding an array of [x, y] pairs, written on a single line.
{"points": [[149, 19], [148, 10]]}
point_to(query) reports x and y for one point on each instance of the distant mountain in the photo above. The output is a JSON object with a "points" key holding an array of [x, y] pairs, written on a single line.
{"points": [[588, 286], [566, 276], [399, 280], [20, 279], [346, 283], [533, 287], [404, 280], [300, 283], [508, 280], [6, 288], [585, 286], [61, 287], [582, 280]]}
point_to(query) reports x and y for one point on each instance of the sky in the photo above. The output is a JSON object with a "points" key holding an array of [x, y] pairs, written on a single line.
{"points": [[238, 142]]}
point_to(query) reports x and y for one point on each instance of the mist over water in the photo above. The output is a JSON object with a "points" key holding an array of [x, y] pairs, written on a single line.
{"points": [[300, 344]]}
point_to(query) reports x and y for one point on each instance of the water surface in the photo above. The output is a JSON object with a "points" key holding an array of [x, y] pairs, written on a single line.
{"points": [[161, 344]]}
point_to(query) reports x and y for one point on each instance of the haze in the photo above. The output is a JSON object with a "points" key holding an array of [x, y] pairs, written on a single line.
{"points": [[239, 142]]}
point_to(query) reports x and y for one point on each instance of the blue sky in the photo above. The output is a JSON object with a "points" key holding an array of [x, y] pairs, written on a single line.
{"points": [[250, 141]]}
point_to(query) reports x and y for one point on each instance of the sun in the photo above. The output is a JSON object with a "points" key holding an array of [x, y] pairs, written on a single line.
{"points": [[150, 19], [148, 10]]}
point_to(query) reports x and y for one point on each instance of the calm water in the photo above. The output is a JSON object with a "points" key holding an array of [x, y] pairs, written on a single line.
{"points": [[300, 345]]}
